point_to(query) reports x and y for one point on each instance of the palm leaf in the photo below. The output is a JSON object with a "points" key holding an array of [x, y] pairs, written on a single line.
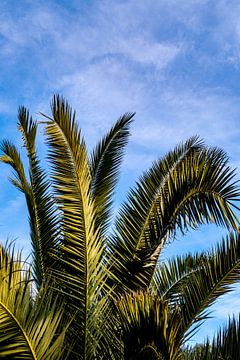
{"points": [[78, 272], [27, 330], [214, 277], [42, 212], [106, 159], [42, 216], [190, 186], [169, 277], [225, 344]]}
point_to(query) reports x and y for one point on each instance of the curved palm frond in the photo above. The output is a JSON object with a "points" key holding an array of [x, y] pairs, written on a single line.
{"points": [[28, 330], [195, 289], [12, 157], [42, 216], [169, 277], [224, 346], [80, 273], [42, 212], [190, 186], [106, 159], [104, 288]]}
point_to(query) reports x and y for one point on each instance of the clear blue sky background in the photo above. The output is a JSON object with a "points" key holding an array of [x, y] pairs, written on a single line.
{"points": [[175, 62]]}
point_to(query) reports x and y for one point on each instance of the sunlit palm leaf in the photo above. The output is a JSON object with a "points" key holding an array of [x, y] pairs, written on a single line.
{"points": [[106, 159], [42, 212], [42, 216], [187, 188], [224, 346], [217, 272], [79, 274], [27, 330]]}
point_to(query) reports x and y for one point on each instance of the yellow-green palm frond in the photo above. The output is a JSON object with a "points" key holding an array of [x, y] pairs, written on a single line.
{"points": [[215, 277], [28, 328], [190, 186], [11, 156], [194, 283], [42, 215], [106, 159], [79, 273]]}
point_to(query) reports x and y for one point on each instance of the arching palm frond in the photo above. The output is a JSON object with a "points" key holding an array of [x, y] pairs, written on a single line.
{"points": [[96, 297], [188, 285], [193, 283], [224, 346], [217, 273], [171, 276], [28, 329], [106, 159], [80, 273], [187, 188], [42, 216], [190, 186]]}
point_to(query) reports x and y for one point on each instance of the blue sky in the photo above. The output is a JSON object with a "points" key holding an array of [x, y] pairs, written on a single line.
{"points": [[175, 62]]}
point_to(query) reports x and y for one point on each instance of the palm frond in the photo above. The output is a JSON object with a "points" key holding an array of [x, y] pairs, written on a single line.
{"points": [[106, 159], [42, 212], [190, 186], [78, 272], [224, 346], [169, 277], [12, 157], [42, 215], [28, 330], [214, 277]]}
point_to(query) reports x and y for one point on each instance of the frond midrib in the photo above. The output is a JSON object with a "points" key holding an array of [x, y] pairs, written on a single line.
{"points": [[21, 329], [85, 232]]}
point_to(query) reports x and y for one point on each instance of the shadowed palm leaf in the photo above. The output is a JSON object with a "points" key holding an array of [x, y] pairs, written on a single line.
{"points": [[28, 329]]}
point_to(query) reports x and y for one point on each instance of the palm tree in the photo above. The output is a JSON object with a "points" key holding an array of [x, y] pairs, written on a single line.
{"points": [[95, 294]]}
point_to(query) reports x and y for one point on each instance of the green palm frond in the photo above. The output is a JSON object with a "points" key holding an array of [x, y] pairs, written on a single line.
{"points": [[80, 275], [226, 343], [42, 216], [106, 159], [12, 157], [169, 277], [42, 212], [95, 295], [189, 187], [195, 282], [28, 329], [218, 271], [224, 346]]}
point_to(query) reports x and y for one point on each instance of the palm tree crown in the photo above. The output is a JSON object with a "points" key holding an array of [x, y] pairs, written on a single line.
{"points": [[92, 294]]}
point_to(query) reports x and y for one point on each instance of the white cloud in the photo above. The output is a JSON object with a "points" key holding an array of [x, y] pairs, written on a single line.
{"points": [[229, 305]]}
